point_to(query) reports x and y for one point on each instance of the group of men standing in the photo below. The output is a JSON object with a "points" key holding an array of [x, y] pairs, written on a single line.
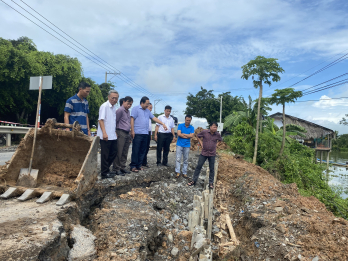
{"points": [[118, 128]]}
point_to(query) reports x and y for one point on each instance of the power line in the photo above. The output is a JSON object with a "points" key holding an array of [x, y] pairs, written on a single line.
{"points": [[324, 68], [325, 82], [308, 70], [329, 86], [103, 64], [124, 77], [339, 98]]}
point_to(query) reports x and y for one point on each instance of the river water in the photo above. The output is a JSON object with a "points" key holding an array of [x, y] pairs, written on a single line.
{"points": [[339, 175]]}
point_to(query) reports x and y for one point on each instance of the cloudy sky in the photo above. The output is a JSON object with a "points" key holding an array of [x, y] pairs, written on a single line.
{"points": [[171, 48]]}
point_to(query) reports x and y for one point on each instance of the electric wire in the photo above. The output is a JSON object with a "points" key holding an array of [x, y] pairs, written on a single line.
{"points": [[325, 82], [308, 69], [121, 76], [329, 86], [125, 78], [323, 69]]}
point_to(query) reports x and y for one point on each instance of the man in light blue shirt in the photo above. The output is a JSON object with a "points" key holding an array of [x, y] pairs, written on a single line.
{"points": [[140, 116], [183, 145]]}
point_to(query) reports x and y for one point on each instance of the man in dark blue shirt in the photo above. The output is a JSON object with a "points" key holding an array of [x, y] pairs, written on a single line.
{"points": [[76, 108]]}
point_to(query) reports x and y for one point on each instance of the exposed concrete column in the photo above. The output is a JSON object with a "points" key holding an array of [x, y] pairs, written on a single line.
{"points": [[8, 139], [321, 157]]}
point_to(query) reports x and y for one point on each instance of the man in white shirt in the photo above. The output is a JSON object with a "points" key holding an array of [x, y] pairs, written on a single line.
{"points": [[164, 137], [107, 133], [149, 140]]}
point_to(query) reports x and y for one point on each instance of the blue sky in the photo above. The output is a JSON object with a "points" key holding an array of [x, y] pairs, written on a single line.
{"points": [[171, 48]]}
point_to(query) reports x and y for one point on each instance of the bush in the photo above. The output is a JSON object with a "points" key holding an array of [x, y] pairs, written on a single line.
{"points": [[295, 166]]}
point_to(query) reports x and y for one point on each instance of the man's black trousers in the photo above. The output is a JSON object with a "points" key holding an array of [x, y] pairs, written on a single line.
{"points": [[107, 155], [147, 149], [163, 141]]}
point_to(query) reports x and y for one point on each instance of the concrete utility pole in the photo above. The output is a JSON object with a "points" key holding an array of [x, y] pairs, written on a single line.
{"points": [[154, 104], [106, 75], [220, 109]]}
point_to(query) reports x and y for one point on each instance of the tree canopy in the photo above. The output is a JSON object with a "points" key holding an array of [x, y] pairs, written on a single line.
{"points": [[19, 60], [206, 105]]}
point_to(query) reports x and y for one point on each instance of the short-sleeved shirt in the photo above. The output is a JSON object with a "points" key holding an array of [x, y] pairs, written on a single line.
{"points": [[209, 142], [141, 119], [184, 130], [169, 122], [78, 109], [123, 119], [107, 113]]}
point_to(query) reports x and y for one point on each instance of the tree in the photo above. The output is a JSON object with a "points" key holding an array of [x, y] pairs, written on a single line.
{"points": [[205, 105], [105, 88], [282, 96], [344, 120], [247, 115], [19, 59], [267, 70], [95, 99]]}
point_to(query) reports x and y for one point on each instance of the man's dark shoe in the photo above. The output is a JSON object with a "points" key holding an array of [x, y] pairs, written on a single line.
{"points": [[167, 165], [107, 176], [120, 173], [113, 172], [159, 164], [125, 171]]}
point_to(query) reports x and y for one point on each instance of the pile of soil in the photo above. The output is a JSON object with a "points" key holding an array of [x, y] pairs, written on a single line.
{"points": [[194, 140], [272, 220], [61, 174]]}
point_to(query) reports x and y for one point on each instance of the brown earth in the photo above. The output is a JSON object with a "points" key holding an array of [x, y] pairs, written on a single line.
{"points": [[272, 220], [57, 156]]}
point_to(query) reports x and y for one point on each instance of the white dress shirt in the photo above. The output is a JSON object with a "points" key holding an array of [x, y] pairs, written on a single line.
{"points": [[169, 122], [107, 113]]}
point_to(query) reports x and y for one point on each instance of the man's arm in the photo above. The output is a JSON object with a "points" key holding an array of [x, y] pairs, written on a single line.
{"points": [[181, 135], [156, 131], [66, 119], [102, 127], [200, 140], [173, 133], [159, 122], [88, 129], [132, 128]]}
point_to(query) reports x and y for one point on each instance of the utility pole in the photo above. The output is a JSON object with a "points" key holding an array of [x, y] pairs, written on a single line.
{"points": [[221, 109], [154, 104], [106, 75]]}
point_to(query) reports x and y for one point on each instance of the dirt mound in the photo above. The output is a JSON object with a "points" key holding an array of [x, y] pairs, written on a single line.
{"points": [[136, 194], [272, 220], [61, 174]]}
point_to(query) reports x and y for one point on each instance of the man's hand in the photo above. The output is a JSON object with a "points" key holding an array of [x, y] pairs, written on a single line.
{"points": [[133, 134], [105, 136], [67, 129], [89, 132], [164, 127], [155, 138]]}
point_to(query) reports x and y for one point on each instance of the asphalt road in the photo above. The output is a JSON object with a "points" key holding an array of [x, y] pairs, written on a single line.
{"points": [[5, 156]]}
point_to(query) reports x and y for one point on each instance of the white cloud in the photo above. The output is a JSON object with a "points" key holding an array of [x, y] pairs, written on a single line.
{"points": [[326, 102]]}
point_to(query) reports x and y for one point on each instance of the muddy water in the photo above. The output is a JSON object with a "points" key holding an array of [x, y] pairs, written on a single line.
{"points": [[339, 175]]}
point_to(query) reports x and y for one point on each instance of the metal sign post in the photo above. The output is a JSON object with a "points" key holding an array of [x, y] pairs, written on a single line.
{"points": [[40, 83]]}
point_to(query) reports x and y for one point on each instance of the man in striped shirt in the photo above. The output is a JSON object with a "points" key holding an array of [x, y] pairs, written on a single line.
{"points": [[76, 108]]}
